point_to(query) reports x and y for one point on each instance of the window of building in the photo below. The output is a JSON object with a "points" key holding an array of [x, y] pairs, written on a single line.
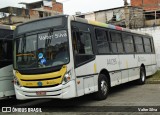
{"points": [[40, 14]]}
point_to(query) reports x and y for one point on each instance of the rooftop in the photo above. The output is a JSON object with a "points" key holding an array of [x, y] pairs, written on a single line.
{"points": [[37, 2]]}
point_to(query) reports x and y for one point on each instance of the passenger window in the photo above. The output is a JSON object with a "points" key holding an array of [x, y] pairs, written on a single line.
{"points": [[116, 42], [147, 45], [102, 42], [5, 53], [82, 47], [138, 44], [84, 43], [152, 45], [128, 43]]}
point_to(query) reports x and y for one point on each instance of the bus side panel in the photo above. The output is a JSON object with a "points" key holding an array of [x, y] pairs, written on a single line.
{"points": [[146, 60], [80, 88], [85, 72], [6, 88], [154, 66], [87, 80], [6, 81], [110, 63], [128, 65]]}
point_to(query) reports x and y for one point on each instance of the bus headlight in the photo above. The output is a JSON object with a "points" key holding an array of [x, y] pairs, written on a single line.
{"points": [[67, 77], [16, 82]]}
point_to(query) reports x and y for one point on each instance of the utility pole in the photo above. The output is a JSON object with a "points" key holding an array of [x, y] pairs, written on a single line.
{"points": [[125, 3], [10, 15], [126, 11]]}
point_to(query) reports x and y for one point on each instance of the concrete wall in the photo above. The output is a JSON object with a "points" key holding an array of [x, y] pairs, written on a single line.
{"points": [[155, 32], [151, 22], [101, 16], [132, 16], [107, 15], [90, 16], [16, 19], [33, 14], [137, 19]]}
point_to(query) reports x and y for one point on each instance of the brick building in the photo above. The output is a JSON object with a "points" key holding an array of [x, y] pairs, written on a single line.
{"points": [[151, 11], [34, 10]]}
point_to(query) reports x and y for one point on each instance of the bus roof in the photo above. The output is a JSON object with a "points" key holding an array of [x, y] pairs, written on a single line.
{"points": [[44, 18], [96, 23]]}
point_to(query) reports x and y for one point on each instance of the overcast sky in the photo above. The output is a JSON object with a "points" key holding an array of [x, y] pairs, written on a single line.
{"points": [[72, 6]]}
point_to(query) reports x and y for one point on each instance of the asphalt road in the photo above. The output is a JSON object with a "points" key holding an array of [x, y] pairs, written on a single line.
{"points": [[124, 98]]}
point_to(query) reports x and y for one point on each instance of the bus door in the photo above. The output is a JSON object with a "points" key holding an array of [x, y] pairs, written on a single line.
{"points": [[84, 58]]}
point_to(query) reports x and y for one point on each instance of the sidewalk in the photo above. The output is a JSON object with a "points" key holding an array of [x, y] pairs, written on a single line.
{"points": [[154, 79]]}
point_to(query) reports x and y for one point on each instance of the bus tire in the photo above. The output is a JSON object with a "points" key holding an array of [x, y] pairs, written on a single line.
{"points": [[142, 78], [103, 88]]}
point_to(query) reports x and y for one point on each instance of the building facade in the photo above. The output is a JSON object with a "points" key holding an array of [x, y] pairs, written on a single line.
{"points": [[128, 16], [147, 5], [151, 11], [34, 10]]}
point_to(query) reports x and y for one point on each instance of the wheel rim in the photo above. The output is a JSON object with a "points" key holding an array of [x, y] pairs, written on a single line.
{"points": [[143, 76], [104, 87]]}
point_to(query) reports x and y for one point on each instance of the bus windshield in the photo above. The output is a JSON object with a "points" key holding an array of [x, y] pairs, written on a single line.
{"points": [[42, 50]]}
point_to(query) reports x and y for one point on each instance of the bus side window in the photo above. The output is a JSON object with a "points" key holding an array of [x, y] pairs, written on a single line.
{"points": [[5, 53], [1, 50], [102, 41], [147, 45], [82, 43], [139, 44], [116, 42], [152, 44], [128, 43], [82, 47]]}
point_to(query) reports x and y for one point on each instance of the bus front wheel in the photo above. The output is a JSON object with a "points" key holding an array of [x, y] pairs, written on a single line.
{"points": [[103, 88]]}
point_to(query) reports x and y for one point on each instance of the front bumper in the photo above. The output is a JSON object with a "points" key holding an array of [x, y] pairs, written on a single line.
{"points": [[65, 91]]}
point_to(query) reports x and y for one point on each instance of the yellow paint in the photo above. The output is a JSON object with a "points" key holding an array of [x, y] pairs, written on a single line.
{"points": [[126, 63], [29, 54], [13, 27], [97, 23], [95, 68], [42, 76]]}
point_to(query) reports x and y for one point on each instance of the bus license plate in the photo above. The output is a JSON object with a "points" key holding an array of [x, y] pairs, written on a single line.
{"points": [[40, 93]]}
